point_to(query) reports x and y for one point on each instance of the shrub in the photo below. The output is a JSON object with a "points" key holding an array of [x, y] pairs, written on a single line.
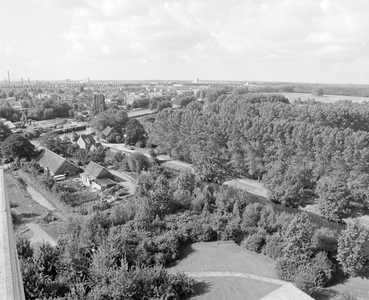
{"points": [[345, 296], [49, 217], [15, 219], [255, 242], [251, 215], [308, 274], [274, 246], [325, 239], [314, 274], [24, 248], [22, 182], [287, 268], [351, 248]]}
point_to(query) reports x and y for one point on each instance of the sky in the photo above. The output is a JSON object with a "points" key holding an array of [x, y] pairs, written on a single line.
{"points": [[323, 41]]}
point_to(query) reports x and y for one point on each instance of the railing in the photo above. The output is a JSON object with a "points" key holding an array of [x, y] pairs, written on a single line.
{"points": [[11, 285]]}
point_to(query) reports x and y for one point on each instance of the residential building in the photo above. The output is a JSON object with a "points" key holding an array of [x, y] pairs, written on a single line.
{"points": [[86, 141], [108, 132]]}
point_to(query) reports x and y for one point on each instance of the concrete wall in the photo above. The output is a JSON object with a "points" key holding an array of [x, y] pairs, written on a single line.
{"points": [[11, 285]]}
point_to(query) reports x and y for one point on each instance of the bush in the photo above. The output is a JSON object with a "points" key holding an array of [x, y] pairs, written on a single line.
{"points": [[22, 182], [121, 214], [308, 274], [274, 246], [345, 296], [15, 219], [24, 248], [314, 274], [325, 239], [287, 268], [255, 242]]}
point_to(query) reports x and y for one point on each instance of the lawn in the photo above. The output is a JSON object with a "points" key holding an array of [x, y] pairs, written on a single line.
{"points": [[220, 288], [223, 256], [219, 258]]}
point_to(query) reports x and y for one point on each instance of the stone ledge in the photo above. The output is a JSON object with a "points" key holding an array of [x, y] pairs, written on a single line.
{"points": [[11, 284]]}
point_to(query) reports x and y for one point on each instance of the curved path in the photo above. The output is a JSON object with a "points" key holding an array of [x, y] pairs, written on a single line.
{"points": [[39, 198], [234, 274], [286, 291], [39, 235]]}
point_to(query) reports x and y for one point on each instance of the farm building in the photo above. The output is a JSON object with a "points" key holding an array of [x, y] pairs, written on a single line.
{"points": [[97, 177], [56, 164]]}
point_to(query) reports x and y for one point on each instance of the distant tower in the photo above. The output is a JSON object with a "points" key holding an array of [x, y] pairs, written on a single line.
{"points": [[8, 77], [22, 80], [196, 81], [29, 81]]}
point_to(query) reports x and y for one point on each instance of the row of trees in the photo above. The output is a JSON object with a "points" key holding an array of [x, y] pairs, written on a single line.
{"points": [[301, 152]]}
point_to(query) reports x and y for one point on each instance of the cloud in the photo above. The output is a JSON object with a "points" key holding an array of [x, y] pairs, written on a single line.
{"points": [[213, 33]]}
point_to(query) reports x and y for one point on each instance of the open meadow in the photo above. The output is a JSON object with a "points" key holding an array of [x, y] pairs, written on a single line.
{"points": [[325, 98]]}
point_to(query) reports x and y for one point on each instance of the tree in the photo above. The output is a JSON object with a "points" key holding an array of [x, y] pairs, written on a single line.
{"points": [[52, 141], [138, 162], [351, 248], [184, 100], [298, 236], [98, 104], [75, 137], [317, 91], [17, 146], [186, 181], [4, 131], [134, 133], [334, 197]]}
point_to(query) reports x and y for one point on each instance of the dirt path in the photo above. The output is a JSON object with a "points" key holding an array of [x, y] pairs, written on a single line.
{"points": [[129, 183], [39, 235], [39, 198], [251, 186], [234, 274]]}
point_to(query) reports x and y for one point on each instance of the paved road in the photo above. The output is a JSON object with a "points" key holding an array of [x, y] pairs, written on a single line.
{"points": [[40, 199], [39, 235]]}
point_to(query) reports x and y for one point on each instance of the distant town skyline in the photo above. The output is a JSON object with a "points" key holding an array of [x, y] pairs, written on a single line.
{"points": [[281, 40]]}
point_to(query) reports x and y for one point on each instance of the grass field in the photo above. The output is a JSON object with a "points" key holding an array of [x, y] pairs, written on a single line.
{"points": [[220, 288], [223, 256], [226, 257], [325, 98]]}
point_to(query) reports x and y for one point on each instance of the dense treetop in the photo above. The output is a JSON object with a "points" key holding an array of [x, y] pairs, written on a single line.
{"points": [[292, 147]]}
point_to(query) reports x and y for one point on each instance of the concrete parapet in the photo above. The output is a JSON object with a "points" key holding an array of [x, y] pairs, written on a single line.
{"points": [[11, 284]]}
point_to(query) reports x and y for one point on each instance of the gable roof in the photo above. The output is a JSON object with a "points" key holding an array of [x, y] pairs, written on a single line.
{"points": [[88, 139], [107, 131], [51, 160], [94, 169]]}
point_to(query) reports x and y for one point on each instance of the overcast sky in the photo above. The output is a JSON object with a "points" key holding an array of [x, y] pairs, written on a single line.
{"points": [[270, 40]]}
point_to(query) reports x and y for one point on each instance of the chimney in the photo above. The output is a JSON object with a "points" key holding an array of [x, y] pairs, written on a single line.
{"points": [[8, 77], [29, 81], [22, 80]]}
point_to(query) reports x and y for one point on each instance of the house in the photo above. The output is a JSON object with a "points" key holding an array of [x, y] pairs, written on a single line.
{"points": [[56, 164], [108, 132], [95, 146], [97, 177], [86, 141]]}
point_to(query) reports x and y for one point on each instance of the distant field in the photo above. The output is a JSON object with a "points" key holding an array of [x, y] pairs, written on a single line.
{"points": [[325, 98]]}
